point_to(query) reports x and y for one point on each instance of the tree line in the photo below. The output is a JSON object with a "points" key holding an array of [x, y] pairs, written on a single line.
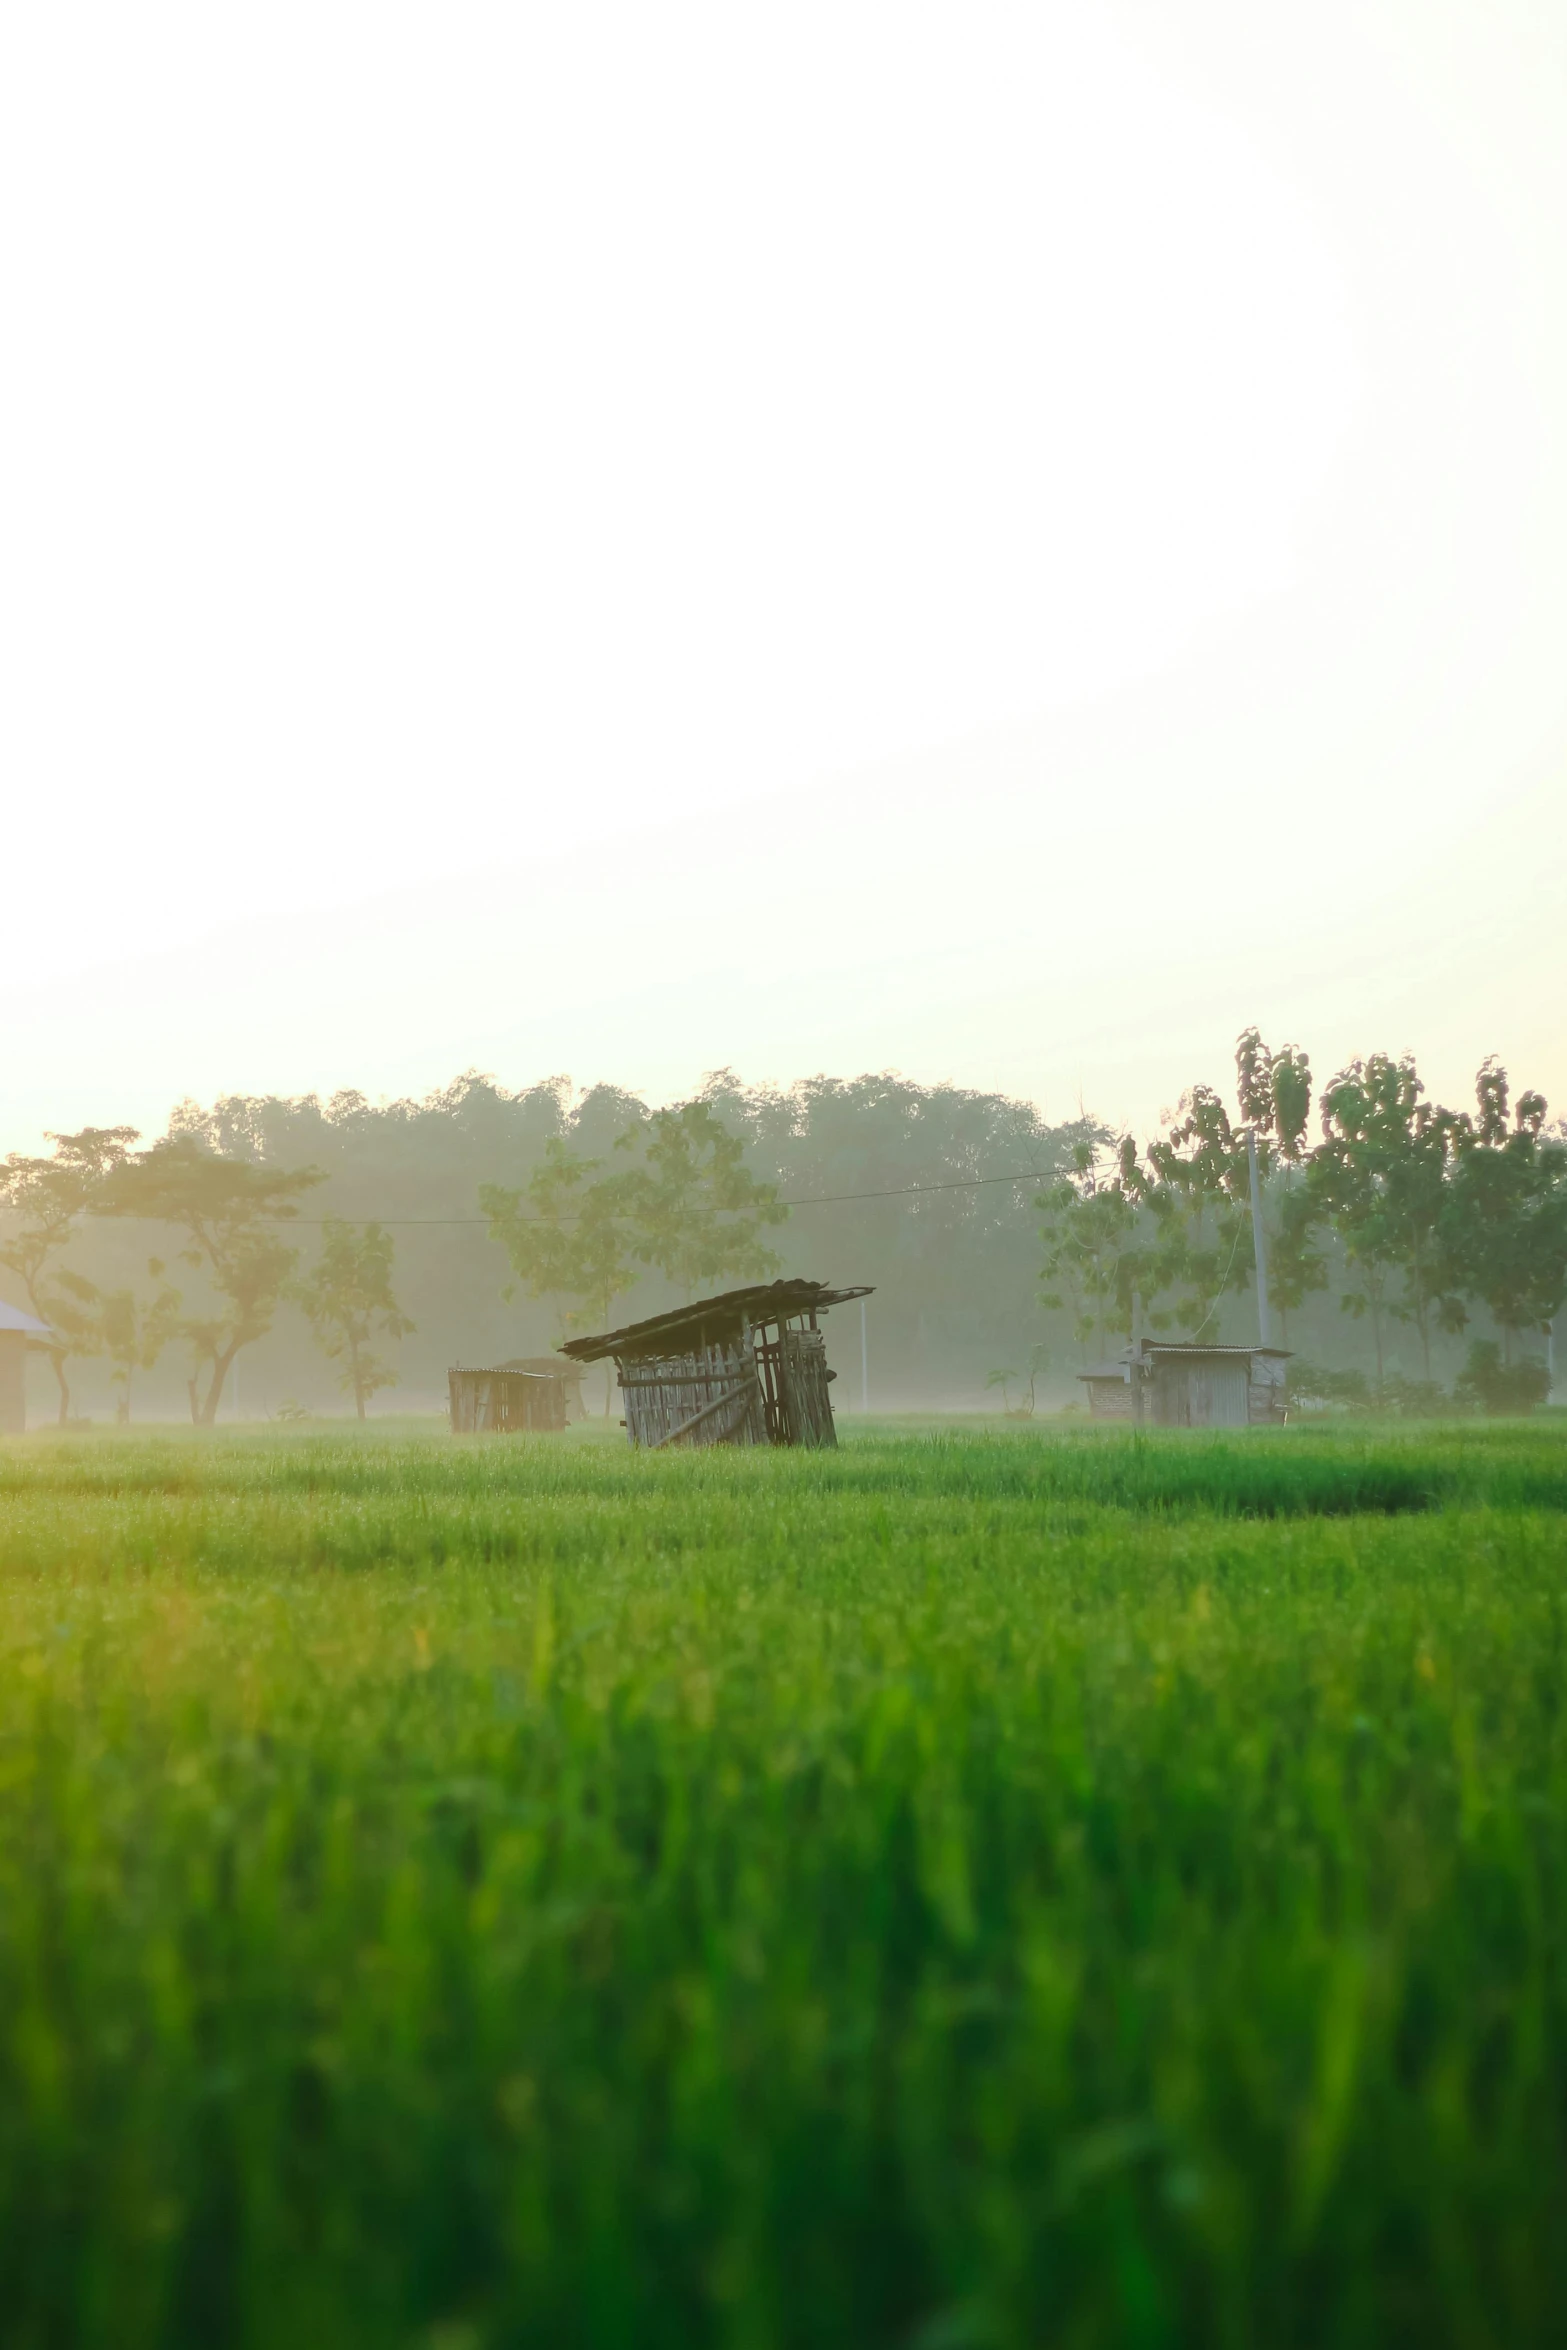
{"points": [[982, 1227], [603, 1208], [1423, 1215], [677, 1197]]}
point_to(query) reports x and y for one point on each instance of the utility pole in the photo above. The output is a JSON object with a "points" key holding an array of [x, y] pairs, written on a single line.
{"points": [[865, 1360], [1259, 1244]]}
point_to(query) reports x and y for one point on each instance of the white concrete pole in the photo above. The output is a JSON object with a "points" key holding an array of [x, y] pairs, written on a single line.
{"points": [[1259, 1244], [865, 1360]]}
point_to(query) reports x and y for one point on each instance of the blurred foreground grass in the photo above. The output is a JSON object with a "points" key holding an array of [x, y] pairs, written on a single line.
{"points": [[973, 1889]]}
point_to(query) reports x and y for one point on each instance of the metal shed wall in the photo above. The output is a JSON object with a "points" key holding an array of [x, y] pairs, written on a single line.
{"points": [[1202, 1395]]}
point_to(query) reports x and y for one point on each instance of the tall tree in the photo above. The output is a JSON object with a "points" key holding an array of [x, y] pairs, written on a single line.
{"points": [[132, 1331], [1100, 1253], [1274, 1094], [228, 1210], [567, 1234], [1200, 1178], [1505, 1225], [1382, 1173], [45, 1200], [676, 1195], [347, 1298], [697, 1212]]}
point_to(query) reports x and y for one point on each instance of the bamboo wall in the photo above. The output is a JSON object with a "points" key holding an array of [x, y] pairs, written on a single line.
{"points": [[505, 1402], [711, 1396]]}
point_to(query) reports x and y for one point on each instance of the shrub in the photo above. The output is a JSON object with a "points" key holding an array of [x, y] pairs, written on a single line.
{"points": [[1493, 1386], [1315, 1388]]}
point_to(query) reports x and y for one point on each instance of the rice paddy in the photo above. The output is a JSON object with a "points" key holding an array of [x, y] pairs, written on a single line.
{"points": [[974, 1890]]}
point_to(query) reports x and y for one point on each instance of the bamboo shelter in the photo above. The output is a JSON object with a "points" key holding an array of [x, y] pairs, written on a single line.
{"points": [[749, 1367]]}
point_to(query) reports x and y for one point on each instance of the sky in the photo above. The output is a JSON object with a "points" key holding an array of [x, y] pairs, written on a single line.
{"points": [[1005, 542]]}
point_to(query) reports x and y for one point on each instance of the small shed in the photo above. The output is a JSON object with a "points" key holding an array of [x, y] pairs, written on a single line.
{"points": [[1109, 1390], [505, 1399], [18, 1331], [551, 1367], [1190, 1386], [749, 1367]]}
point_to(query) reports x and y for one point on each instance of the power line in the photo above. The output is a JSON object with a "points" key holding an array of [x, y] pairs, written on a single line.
{"points": [[821, 1199]]}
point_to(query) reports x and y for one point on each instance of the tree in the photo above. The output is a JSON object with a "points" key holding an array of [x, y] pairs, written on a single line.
{"points": [[1382, 1173], [684, 1202], [1488, 1384], [567, 1234], [131, 1331], [1199, 1182], [1027, 1383], [697, 1212], [1274, 1094], [1504, 1230], [227, 1209], [1089, 1220], [952, 1250], [348, 1300], [48, 1196]]}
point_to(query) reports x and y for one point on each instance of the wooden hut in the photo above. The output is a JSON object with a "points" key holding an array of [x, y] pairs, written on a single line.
{"points": [[506, 1399], [1109, 1390], [551, 1367], [749, 1367], [1189, 1386], [18, 1331]]}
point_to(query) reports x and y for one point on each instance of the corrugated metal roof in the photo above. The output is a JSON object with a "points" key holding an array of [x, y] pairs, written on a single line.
{"points": [[13, 1318], [1188, 1350], [1174, 1346]]}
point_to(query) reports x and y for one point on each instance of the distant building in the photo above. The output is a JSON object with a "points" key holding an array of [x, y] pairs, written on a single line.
{"points": [[551, 1367], [1189, 1386], [710, 1373], [512, 1399], [18, 1331]]}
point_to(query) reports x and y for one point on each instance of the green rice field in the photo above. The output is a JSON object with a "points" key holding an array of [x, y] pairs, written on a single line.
{"points": [[977, 1890]]}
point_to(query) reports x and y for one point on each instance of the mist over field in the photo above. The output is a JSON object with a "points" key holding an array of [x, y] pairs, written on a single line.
{"points": [[840, 731]]}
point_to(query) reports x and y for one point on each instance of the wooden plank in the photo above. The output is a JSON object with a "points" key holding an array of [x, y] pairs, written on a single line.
{"points": [[714, 1404]]}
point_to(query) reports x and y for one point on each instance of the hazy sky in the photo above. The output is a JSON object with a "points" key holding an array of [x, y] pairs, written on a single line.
{"points": [[1001, 541]]}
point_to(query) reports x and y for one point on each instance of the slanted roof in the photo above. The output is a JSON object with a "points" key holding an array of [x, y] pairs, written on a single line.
{"points": [[13, 1318], [712, 1319], [1176, 1346], [1187, 1350]]}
